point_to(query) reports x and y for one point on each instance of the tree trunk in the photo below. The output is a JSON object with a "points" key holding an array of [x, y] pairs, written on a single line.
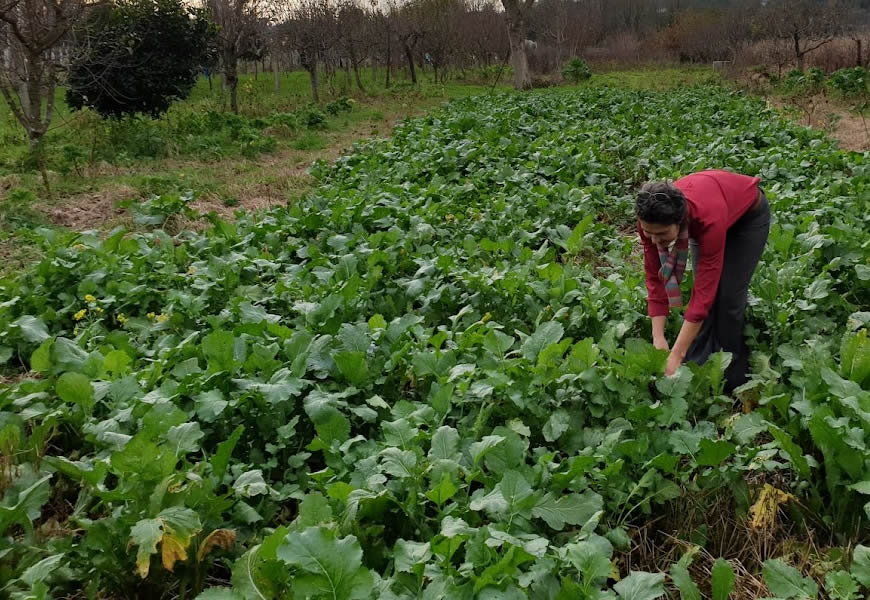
{"points": [[389, 62], [799, 56], [231, 78], [359, 83], [347, 75], [859, 54], [315, 82], [277, 75], [409, 54], [34, 138], [519, 60], [517, 34]]}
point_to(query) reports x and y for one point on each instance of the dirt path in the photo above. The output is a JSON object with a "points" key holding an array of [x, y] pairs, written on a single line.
{"points": [[837, 121]]}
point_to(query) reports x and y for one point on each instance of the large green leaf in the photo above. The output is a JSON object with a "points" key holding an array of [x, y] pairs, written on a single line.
{"points": [[786, 582], [714, 452], [861, 565], [546, 334], [184, 438], [220, 593], [26, 508], [353, 366], [76, 388], [408, 555], [688, 588], [219, 348], [723, 579], [841, 586], [32, 328], [251, 483], [42, 570], [326, 566], [591, 561], [221, 458], [640, 585], [573, 509]]}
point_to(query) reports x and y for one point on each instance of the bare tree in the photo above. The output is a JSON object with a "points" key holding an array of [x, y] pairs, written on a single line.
{"points": [[517, 17], [310, 32], [32, 33], [856, 24], [807, 24], [355, 36], [409, 30], [238, 27], [482, 34]]}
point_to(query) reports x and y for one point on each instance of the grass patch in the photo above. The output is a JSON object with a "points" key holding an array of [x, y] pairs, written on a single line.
{"points": [[309, 141], [655, 78]]}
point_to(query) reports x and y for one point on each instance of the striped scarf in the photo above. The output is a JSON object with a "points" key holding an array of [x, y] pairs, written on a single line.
{"points": [[673, 263]]}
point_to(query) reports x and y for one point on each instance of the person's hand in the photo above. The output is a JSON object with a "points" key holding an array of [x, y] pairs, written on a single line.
{"points": [[674, 362], [661, 343]]}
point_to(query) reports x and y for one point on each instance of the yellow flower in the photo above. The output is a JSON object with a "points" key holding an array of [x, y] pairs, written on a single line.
{"points": [[151, 315], [89, 298], [81, 314], [98, 309], [121, 318], [191, 270], [161, 318]]}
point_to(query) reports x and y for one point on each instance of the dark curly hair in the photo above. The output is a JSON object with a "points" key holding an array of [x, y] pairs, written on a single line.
{"points": [[660, 203]]}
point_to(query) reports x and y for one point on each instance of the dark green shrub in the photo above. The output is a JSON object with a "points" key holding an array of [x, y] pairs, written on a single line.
{"points": [[849, 83], [576, 70], [138, 56]]}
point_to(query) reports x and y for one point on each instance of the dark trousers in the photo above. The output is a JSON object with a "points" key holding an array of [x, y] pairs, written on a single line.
{"points": [[723, 328]]}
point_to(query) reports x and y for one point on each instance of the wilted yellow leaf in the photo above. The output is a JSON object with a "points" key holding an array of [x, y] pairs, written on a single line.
{"points": [[765, 508], [219, 538], [614, 571], [143, 564], [173, 550]]}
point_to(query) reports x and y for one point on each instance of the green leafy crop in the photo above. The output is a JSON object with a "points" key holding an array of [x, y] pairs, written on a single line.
{"points": [[430, 378]]}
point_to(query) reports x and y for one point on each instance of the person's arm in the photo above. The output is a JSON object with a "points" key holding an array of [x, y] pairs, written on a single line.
{"points": [[656, 296], [688, 333], [711, 245], [658, 332]]}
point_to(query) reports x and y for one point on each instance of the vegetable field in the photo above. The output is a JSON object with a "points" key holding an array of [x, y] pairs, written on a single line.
{"points": [[431, 378]]}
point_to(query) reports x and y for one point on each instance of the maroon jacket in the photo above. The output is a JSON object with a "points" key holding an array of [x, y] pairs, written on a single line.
{"points": [[716, 200]]}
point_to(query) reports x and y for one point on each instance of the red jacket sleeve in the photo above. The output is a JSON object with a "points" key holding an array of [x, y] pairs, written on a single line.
{"points": [[656, 296], [711, 246]]}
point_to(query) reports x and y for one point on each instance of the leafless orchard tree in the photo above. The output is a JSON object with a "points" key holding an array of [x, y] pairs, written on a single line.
{"points": [[857, 26], [356, 35], [410, 28], [517, 13], [311, 32], [808, 24], [32, 33], [238, 23]]}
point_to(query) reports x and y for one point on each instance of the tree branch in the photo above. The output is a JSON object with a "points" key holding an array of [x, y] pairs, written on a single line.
{"points": [[14, 106], [16, 31], [821, 43]]}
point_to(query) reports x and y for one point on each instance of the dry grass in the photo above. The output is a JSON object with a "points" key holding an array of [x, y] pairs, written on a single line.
{"points": [[223, 187], [664, 539], [91, 210]]}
